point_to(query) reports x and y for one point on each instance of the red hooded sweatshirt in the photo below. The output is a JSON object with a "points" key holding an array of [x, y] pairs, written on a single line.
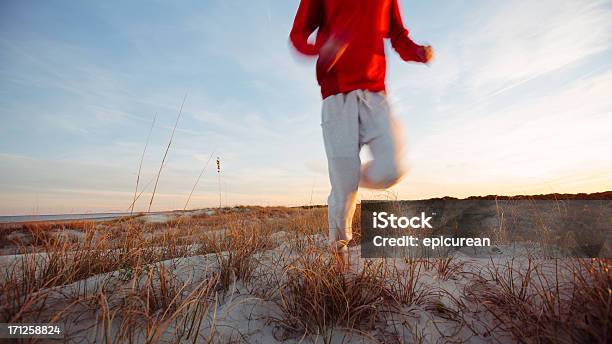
{"points": [[349, 41]]}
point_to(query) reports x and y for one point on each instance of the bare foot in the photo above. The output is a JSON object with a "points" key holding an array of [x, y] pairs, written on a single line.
{"points": [[340, 254]]}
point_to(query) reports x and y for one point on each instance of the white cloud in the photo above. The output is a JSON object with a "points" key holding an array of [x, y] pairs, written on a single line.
{"points": [[564, 135], [524, 39]]}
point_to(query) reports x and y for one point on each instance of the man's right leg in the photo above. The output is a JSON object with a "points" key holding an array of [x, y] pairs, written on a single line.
{"points": [[383, 135], [340, 124]]}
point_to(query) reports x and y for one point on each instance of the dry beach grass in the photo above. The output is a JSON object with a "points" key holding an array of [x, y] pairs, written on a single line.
{"points": [[262, 274]]}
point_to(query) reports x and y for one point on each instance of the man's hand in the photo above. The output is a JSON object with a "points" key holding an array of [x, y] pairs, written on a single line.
{"points": [[426, 54]]}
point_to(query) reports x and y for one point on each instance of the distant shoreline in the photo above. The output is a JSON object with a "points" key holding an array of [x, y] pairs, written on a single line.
{"points": [[59, 217], [19, 219], [595, 196]]}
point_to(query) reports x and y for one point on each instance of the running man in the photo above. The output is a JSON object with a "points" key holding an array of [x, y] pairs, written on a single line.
{"points": [[351, 69]]}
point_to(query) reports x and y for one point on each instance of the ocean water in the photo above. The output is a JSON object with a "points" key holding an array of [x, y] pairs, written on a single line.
{"points": [[61, 217]]}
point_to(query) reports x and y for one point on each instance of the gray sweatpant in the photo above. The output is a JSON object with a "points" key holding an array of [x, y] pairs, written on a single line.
{"points": [[350, 121]]}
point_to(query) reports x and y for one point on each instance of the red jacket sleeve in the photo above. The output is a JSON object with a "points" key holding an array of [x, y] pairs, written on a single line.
{"points": [[401, 42], [307, 19]]}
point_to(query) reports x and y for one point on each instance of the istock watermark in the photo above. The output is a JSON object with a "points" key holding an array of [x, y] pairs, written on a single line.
{"points": [[437, 227], [386, 220]]}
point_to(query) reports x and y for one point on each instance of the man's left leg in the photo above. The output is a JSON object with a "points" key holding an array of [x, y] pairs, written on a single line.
{"points": [[340, 124]]}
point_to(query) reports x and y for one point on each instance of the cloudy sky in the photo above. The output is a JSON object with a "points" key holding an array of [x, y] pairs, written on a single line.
{"points": [[516, 102]]}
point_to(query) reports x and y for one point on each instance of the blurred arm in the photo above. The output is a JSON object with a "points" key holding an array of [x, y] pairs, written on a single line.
{"points": [[401, 42], [307, 19]]}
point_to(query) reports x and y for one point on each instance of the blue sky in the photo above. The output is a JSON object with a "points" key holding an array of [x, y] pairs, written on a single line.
{"points": [[517, 101]]}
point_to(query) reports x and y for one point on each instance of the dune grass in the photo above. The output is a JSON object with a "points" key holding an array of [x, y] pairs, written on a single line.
{"points": [[131, 281]]}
